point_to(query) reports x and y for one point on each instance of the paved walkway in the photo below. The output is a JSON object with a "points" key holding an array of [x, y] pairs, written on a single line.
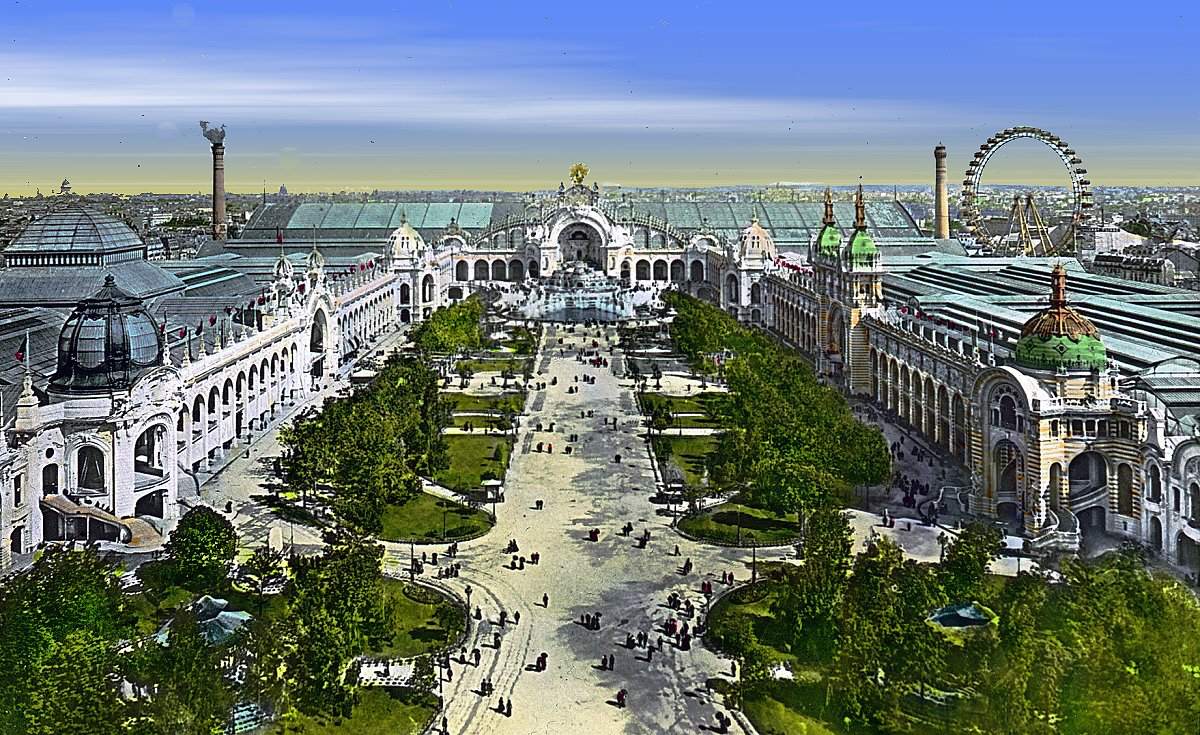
{"points": [[628, 586]]}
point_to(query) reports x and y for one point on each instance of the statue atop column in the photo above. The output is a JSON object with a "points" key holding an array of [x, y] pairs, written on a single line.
{"points": [[215, 135]]}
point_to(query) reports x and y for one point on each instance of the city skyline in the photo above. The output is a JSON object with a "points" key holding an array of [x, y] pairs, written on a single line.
{"points": [[466, 95]]}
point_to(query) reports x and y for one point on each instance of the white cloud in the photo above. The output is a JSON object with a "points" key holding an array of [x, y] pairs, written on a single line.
{"points": [[493, 87]]}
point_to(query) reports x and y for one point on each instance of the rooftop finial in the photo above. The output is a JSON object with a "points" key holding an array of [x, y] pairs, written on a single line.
{"points": [[860, 210], [828, 208]]}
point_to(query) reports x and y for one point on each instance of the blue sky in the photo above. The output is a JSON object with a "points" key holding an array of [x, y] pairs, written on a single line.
{"points": [[362, 95]]}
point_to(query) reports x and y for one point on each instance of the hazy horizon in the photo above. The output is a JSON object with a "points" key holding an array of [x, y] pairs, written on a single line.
{"points": [[468, 95]]}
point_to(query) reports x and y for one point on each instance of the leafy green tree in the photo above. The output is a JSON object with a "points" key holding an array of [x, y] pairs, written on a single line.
{"points": [[66, 591], [811, 599], [868, 629], [967, 560], [264, 645], [190, 693], [74, 690], [199, 549], [264, 566]]}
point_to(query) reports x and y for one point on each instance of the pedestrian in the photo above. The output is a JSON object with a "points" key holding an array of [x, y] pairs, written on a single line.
{"points": [[445, 727], [612, 662], [545, 600], [475, 655], [676, 549], [508, 708], [500, 706], [496, 640], [516, 617], [660, 643]]}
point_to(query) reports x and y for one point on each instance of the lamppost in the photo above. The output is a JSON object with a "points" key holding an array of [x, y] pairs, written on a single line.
{"points": [[753, 558], [412, 562], [469, 591], [444, 512]]}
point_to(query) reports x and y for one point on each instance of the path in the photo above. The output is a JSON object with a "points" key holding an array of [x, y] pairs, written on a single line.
{"points": [[628, 586]]}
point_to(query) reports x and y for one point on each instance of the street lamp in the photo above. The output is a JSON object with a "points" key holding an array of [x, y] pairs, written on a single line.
{"points": [[753, 558], [469, 591], [412, 561], [444, 512]]}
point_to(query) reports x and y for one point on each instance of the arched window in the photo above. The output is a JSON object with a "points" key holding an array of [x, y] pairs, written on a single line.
{"points": [[1008, 412], [89, 473], [1155, 484]]}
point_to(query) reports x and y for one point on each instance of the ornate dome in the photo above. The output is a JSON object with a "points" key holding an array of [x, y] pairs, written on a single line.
{"points": [[106, 344], [283, 270], [862, 250], [405, 240], [1060, 338], [829, 239], [755, 242]]}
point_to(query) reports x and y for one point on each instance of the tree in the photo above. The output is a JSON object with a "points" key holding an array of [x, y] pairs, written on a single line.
{"points": [[868, 628], [74, 691], [264, 644], [967, 560], [812, 598], [263, 567], [199, 549], [191, 695], [66, 591]]}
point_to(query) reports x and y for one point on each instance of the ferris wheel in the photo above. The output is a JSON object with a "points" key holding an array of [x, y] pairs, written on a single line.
{"points": [[1027, 233]]}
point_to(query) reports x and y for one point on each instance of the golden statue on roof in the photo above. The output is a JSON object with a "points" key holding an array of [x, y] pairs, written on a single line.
{"points": [[578, 173]]}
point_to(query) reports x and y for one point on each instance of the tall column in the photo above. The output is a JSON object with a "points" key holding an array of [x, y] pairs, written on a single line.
{"points": [[216, 136], [218, 229], [941, 208]]}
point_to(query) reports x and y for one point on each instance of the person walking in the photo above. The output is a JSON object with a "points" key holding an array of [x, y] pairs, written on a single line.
{"points": [[516, 617], [508, 708], [545, 600]]}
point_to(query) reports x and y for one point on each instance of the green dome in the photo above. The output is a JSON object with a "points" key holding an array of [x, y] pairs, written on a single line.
{"points": [[1060, 338], [862, 248], [1053, 353], [829, 242]]}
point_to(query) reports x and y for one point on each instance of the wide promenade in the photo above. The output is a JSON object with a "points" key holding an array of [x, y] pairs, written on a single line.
{"points": [[587, 489]]}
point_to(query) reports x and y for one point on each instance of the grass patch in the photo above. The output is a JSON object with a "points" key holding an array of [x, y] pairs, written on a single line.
{"points": [[684, 454], [465, 402], [473, 457], [720, 524], [419, 628], [479, 422], [698, 403], [379, 712], [694, 422], [780, 707], [421, 518], [484, 365]]}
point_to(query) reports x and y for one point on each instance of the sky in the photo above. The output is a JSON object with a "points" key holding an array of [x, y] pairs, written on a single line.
{"points": [[329, 96]]}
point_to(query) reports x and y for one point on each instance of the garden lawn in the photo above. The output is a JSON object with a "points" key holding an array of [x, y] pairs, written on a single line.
{"points": [[380, 711], [420, 519], [685, 452], [417, 627], [779, 707], [698, 403], [720, 524], [465, 402], [471, 457], [517, 366]]}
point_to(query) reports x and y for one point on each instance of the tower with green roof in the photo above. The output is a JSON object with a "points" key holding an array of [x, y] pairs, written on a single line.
{"points": [[829, 240], [1060, 339], [861, 251]]}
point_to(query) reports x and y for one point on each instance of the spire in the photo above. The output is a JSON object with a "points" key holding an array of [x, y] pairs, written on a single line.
{"points": [[828, 220], [1058, 287], [754, 215], [860, 210]]}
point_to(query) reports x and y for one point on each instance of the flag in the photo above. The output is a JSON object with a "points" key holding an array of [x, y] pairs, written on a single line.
{"points": [[278, 235], [23, 350]]}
